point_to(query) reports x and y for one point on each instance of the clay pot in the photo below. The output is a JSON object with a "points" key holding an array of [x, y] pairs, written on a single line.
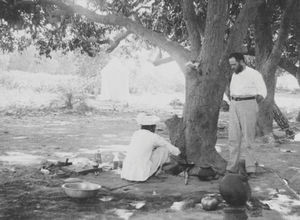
{"points": [[235, 189], [209, 203]]}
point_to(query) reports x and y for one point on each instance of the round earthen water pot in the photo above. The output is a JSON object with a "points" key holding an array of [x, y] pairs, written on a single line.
{"points": [[235, 189]]}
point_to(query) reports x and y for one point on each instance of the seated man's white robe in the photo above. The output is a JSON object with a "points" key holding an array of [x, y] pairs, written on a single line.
{"points": [[147, 152]]}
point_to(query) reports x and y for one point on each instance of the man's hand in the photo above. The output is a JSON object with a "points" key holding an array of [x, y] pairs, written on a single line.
{"points": [[259, 98], [175, 151]]}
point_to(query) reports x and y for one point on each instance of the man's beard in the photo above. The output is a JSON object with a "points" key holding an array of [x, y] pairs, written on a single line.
{"points": [[239, 69]]}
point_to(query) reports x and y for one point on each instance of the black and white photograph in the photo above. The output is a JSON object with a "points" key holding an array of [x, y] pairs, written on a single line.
{"points": [[150, 109]]}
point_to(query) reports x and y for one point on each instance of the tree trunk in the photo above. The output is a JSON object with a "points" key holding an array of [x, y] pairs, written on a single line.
{"points": [[297, 28], [263, 48], [205, 86], [268, 57], [265, 116], [203, 98]]}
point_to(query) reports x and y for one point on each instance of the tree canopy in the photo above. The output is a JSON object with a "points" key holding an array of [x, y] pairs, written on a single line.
{"points": [[53, 25], [48, 27]]}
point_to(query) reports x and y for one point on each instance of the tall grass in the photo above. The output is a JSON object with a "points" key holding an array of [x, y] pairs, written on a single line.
{"points": [[39, 90], [37, 82]]}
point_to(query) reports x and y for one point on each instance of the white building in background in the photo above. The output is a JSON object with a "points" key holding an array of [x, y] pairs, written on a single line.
{"points": [[115, 81]]}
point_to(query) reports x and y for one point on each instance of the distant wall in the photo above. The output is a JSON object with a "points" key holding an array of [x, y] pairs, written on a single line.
{"points": [[287, 82]]}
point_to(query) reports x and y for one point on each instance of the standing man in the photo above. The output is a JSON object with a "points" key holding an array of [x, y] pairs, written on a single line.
{"points": [[147, 151], [247, 89]]}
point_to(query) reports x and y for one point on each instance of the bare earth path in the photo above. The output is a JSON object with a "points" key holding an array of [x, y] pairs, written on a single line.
{"points": [[26, 193]]}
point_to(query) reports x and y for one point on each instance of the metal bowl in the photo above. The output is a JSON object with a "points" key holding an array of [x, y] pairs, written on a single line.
{"points": [[81, 190]]}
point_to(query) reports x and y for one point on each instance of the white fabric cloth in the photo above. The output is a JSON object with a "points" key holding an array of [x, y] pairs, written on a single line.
{"points": [[139, 163], [249, 82]]}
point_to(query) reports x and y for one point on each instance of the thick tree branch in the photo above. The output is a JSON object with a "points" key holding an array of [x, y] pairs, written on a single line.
{"points": [[136, 3], [141, 7], [237, 36], [238, 33], [284, 63], [162, 61], [201, 25], [215, 26], [239, 30], [115, 43], [250, 52], [178, 52], [283, 33], [288, 66], [296, 22], [158, 60], [191, 21], [263, 33]]}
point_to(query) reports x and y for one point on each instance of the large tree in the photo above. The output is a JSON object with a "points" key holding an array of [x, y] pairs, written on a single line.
{"points": [[197, 34], [272, 45]]}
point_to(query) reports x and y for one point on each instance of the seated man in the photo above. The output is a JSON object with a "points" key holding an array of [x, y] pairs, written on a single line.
{"points": [[147, 151]]}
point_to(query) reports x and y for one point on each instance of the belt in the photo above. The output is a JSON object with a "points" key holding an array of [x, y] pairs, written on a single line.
{"points": [[242, 98]]}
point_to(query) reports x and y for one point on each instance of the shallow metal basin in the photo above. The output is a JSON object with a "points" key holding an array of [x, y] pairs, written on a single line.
{"points": [[81, 190]]}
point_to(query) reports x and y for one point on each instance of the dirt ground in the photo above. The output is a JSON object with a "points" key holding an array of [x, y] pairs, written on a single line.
{"points": [[26, 193]]}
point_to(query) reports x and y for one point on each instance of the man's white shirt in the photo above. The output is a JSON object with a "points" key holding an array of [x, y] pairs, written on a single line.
{"points": [[137, 164], [249, 82]]}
